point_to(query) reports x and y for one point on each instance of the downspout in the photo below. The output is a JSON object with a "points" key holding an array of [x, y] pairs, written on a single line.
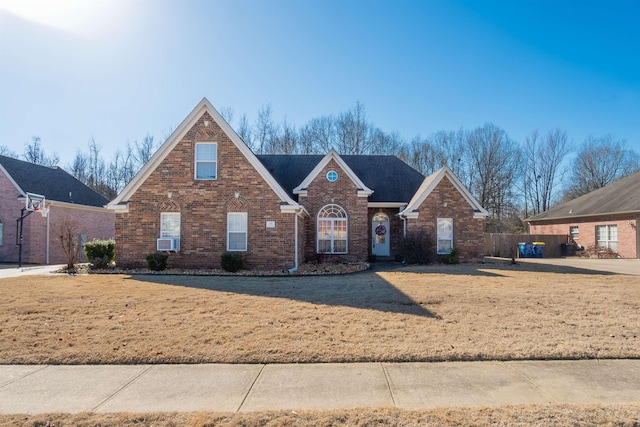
{"points": [[295, 249], [46, 257]]}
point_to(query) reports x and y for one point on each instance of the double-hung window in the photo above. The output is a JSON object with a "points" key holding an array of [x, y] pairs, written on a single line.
{"points": [[445, 235], [237, 231], [574, 232], [607, 237], [169, 231], [332, 229], [206, 162]]}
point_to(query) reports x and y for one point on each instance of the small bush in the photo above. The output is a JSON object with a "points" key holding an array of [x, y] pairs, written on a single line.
{"points": [[232, 261], [418, 247], [451, 258], [100, 253], [157, 261]]}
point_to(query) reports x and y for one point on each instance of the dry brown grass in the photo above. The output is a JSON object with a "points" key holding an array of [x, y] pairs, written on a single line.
{"points": [[466, 312], [521, 415]]}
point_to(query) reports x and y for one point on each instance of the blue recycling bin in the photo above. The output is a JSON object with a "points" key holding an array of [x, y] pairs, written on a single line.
{"points": [[538, 249], [525, 249]]}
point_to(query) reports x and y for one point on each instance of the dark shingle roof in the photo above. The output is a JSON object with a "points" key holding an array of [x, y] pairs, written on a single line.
{"points": [[390, 178], [52, 182], [622, 196]]}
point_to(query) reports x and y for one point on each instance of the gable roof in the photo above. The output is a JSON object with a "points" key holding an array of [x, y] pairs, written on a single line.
{"points": [[622, 196], [52, 182], [363, 190], [430, 183], [390, 179], [119, 203]]}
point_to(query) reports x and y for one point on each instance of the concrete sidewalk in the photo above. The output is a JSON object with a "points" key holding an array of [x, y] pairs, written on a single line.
{"points": [[232, 388]]}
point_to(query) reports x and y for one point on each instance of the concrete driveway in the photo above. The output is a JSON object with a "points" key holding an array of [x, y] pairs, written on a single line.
{"points": [[616, 266]]}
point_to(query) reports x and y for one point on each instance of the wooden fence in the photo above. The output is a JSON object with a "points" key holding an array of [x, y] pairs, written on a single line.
{"points": [[506, 245]]}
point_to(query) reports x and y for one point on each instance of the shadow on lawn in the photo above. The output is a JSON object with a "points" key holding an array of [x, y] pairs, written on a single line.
{"points": [[365, 290], [499, 264]]}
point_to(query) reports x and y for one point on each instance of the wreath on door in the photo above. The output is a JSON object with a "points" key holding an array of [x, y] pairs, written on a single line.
{"points": [[381, 230]]}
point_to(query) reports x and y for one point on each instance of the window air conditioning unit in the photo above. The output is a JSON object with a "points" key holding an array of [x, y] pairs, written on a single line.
{"points": [[167, 244]]}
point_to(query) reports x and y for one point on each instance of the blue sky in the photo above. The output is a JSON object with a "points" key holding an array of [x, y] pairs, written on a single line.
{"points": [[117, 70]]}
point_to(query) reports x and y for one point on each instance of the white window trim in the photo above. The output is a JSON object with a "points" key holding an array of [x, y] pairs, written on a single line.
{"points": [[1, 232], [162, 231], [196, 161], [608, 240], [331, 238], [245, 232], [439, 238], [577, 228]]}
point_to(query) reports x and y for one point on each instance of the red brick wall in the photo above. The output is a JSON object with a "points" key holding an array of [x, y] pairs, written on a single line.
{"points": [[468, 236], [9, 211], [627, 231], [342, 192], [96, 223], [203, 206]]}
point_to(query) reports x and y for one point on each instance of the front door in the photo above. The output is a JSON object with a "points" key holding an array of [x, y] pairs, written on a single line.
{"points": [[380, 234]]}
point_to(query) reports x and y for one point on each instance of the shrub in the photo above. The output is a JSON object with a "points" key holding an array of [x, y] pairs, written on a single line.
{"points": [[157, 261], [418, 247], [100, 253], [232, 261], [451, 258]]}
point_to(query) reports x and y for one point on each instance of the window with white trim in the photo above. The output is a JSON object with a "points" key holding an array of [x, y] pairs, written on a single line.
{"points": [[445, 235], [206, 161], [1, 232], [607, 237], [332, 230], [237, 231], [170, 225], [574, 232]]}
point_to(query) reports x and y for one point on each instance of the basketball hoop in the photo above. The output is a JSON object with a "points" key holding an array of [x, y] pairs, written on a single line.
{"points": [[43, 211]]}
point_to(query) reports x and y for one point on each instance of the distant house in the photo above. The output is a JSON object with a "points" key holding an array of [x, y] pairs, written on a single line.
{"points": [[606, 218], [68, 200], [204, 192]]}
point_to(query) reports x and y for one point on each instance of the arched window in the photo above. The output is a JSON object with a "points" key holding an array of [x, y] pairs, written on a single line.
{"points": [[332, 230]]}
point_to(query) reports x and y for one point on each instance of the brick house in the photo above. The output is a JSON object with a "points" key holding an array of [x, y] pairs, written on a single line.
{"points": [[69, 202], [605, 218], [204, 192]]}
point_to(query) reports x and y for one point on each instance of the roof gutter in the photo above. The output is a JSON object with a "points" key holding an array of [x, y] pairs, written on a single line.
{"points": [[555, 218]]}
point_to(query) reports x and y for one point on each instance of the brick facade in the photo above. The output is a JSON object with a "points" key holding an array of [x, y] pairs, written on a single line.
{"points": [[40, 234], [168, 185], [344, 193], [203, 206], [627, 225], [445, 201]]}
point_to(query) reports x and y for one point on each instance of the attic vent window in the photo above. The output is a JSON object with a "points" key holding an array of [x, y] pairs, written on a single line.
{"points": [[332, 176]]}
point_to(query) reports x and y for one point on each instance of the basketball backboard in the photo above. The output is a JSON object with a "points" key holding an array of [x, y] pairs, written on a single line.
{"points": [[36, 203]]}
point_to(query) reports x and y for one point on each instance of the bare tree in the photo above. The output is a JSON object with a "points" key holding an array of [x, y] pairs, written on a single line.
{"points": [[227, 114], [144, 150], [34, 153], [353, 131], [386, 143], [494, 163], [284, 139], [263, 129], [600, 161], [69, 239], [244, 131], [542, 173], [80, 167], [5, 151]]}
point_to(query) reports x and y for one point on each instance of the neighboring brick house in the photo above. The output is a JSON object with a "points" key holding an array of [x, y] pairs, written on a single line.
{"points": [[204, 192], [605, 218], [69, 202]]}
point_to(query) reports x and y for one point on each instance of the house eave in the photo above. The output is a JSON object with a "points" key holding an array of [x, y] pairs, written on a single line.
{"points": [[387, 204], [584, 216]]}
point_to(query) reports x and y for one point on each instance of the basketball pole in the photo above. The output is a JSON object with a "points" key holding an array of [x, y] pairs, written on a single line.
{"points": [[24, 212]]}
